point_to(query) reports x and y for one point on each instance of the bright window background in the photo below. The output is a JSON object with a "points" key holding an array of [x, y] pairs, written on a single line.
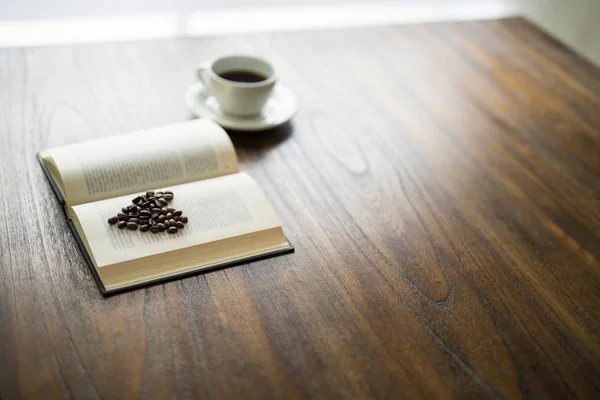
{"points": [[38, 22], [36, 9]]}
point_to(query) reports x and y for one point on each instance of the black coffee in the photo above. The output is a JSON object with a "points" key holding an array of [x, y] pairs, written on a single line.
{"points": [[242, 76]]}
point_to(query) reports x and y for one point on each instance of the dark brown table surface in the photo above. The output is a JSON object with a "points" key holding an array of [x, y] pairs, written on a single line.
{"points": [[441, 184]]}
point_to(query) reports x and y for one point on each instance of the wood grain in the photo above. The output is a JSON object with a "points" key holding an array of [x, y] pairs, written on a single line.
{"points": [[441, 184]]}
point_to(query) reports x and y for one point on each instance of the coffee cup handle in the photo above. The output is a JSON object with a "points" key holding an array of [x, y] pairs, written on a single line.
{"points": [[201, 71]]}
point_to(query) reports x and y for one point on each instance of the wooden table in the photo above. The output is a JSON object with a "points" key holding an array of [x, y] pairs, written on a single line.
{"points": [[441, 184]]}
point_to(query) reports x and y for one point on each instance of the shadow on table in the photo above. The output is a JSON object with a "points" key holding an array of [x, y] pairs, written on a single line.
{"points": [[261, 140]]}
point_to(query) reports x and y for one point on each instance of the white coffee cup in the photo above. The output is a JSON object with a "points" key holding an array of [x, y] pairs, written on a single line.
{"points": [[241, 97]]}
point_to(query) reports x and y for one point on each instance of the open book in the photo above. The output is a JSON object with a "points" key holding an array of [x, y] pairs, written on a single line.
{"points": [[230, 220]]}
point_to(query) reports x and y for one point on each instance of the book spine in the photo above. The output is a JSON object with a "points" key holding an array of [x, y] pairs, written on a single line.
{"points": [[59, 196]]}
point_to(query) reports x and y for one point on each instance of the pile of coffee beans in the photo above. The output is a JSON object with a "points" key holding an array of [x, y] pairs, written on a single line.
{"points": [[149, 212]]}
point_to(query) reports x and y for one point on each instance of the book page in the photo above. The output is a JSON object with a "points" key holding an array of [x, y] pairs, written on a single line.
{"points": [[169, 155], [217, 208]]}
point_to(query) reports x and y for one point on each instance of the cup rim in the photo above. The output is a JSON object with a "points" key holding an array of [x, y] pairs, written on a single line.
{"points": [[265, 82]]}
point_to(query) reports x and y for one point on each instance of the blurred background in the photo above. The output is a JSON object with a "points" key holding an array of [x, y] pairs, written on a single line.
{"points": [[42, 22]]}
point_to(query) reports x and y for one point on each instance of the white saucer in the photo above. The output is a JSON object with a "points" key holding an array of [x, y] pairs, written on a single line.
{"points": [[279, 109]]}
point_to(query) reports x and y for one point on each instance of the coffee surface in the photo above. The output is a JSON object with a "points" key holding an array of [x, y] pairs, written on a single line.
{"points": [[242, 76]]}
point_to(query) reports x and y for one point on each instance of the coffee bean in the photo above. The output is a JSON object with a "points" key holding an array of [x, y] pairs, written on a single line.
{"points": [[149, 212]]}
